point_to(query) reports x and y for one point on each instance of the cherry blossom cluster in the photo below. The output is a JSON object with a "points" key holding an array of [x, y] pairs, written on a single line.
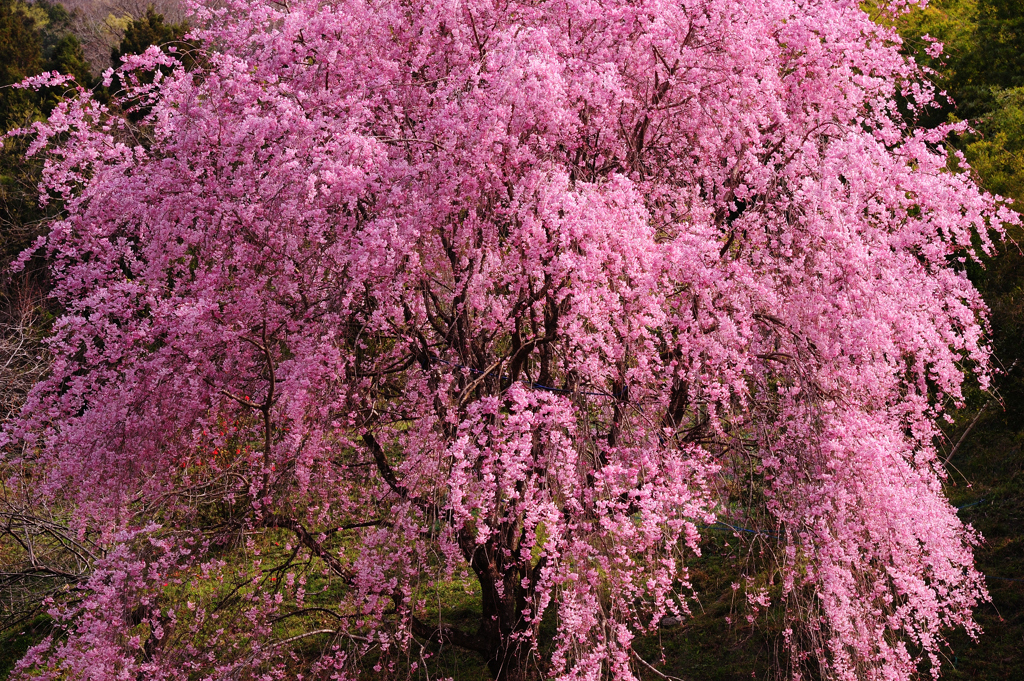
{"points": [[500, 293]]}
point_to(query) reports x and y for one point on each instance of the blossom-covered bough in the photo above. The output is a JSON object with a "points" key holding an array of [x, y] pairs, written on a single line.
{"points": [[507, 294]]}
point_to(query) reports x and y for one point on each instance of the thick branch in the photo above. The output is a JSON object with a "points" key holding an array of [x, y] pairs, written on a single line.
{"points": [[309, 541], [383, 466]]}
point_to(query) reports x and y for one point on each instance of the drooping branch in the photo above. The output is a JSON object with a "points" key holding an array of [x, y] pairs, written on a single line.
{"points": [[273, 520], [383, 467]]}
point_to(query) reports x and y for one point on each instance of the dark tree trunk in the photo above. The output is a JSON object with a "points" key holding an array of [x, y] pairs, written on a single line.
{"points": [[501, 614], [510, 663]]}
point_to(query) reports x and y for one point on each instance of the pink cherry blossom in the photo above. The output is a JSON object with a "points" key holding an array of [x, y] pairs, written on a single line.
{"points": [[519, 291]]}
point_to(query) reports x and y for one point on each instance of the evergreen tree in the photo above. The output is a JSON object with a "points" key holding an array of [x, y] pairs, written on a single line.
{"points": [[993, 59], [151, 29], [20, 57]]}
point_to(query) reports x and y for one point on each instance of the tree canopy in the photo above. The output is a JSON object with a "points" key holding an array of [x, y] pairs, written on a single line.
{"points": [[518, 296]]}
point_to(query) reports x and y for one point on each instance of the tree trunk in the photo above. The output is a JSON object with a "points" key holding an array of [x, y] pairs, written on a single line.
{"points": [[500, 614], [510, 662]]}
